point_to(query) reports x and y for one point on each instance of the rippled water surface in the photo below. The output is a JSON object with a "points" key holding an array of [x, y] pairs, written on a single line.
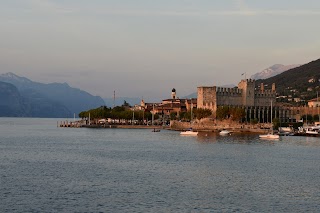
{"points": [[48, 169]]}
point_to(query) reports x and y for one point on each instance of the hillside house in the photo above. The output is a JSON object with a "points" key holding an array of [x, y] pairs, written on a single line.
{"points": [[314, 102]]}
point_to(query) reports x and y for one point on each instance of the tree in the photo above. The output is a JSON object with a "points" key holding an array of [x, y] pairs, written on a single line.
{"points": [[222, 112], [125, 104], [237, 113], [202, 113], [276, 123], [173, 116]]}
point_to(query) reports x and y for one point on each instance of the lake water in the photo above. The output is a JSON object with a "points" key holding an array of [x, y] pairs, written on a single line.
{"points": [[48, 169]]}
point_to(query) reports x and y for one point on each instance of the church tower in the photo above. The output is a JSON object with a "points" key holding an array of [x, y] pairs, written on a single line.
{"points": [[173, 94]]}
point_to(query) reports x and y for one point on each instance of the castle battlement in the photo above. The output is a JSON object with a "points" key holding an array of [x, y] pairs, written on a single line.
{"points": [[248, 80], [245, 94], [265, 93], [228, 91]]}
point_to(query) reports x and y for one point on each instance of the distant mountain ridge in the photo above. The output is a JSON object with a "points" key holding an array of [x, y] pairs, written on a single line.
{"points": [[12, 103], [46, 100], [273, 71]]}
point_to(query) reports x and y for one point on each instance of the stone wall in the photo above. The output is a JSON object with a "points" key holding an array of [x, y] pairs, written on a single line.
{"points": [[215, 126]]}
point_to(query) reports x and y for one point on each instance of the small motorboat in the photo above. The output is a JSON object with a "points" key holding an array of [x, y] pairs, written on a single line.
{"points": [[225, 132], [156, 130], [189, 132]]}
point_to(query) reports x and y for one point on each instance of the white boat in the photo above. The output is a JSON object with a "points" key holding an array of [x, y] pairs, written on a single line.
{"points": [[225, 132], [312, 131], [270, 135], [189, 133]]}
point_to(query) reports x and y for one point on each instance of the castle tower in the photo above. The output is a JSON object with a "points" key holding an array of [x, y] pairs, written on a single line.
{"points": [[273, 87], [262, 87], [173, 93], [247, 86]]}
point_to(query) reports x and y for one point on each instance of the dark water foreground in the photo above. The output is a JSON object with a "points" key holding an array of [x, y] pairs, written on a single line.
{"points": [[48, 169]]}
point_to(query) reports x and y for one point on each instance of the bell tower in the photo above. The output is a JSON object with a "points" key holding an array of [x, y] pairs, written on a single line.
{"points": [[173, 94]]}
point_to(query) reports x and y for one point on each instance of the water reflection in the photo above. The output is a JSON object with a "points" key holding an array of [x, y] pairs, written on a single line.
{"points": [[234, 138], [251, 139], [50, 169]]}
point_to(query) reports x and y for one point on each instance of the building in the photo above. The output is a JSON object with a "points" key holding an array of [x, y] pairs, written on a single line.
{"points": [[255, 101], [171, 105], [314, 102], [245, 95]]}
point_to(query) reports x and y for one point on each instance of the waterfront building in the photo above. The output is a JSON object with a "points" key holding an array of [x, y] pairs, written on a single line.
{"points": [[170, 105], [255, 100]]}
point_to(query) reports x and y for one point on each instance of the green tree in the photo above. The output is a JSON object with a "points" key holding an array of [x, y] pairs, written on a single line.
{"points": [[173, 116], [125, 104], [202, 113], [222, 112], [237, 113], [276, 123]]}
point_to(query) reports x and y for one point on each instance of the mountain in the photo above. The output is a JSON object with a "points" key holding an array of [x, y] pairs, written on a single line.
{"points": [[12, 103], [273, 71], [301, 81], [47, 97]]}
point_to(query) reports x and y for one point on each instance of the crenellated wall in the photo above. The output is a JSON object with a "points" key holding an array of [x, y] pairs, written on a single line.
{"points": [[245, 95], [229, 96], [264, 97]]}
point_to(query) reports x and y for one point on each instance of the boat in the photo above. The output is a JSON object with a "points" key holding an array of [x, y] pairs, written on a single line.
{"points": [[156, 130], [225, 132], [189, 133], [312, 131], [271, 134]]}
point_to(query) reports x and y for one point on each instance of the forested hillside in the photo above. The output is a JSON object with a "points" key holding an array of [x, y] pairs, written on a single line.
{"points": [[300, 82]]}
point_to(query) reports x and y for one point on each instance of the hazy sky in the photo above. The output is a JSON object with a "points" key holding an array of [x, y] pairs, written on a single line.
{"points": [[147, 47]]}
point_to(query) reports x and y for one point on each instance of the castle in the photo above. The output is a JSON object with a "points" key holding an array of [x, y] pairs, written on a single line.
{"points": [[245, 95]]}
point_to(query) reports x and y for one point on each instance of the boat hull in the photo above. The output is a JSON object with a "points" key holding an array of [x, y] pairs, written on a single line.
{"points": [[269, 136], [189, 133]]}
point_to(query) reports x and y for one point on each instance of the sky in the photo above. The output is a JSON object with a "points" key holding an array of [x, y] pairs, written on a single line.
{"points": [[144, 48]]}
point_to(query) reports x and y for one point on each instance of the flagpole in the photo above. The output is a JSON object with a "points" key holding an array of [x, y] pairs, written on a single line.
{"points": [[245, 75]]}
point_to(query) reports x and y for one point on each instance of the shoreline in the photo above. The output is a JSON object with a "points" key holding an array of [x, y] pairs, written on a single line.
{"points": [[231, 129]]}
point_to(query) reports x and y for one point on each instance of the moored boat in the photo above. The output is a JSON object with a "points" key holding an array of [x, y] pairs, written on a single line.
{"points": [[225, 132], [312, 132], [270, 135], [189, 133]]}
